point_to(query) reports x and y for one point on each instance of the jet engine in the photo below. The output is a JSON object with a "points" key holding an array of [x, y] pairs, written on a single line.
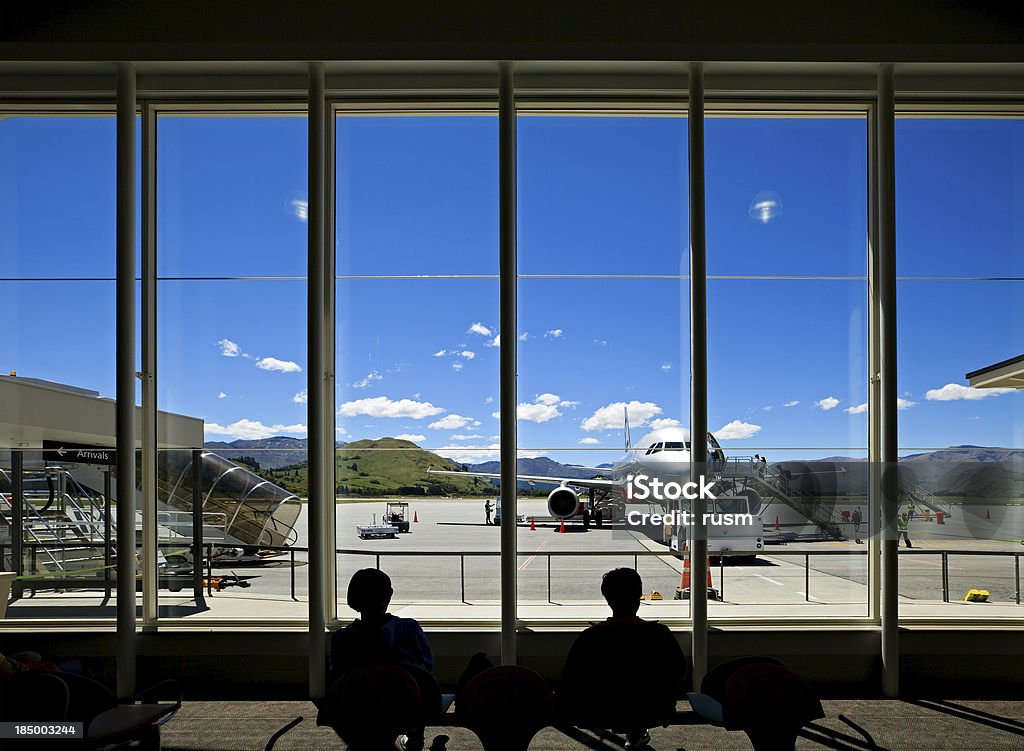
{"points": [[563, 503]]}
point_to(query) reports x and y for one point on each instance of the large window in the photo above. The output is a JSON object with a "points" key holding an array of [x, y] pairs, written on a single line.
{"points": [[603, 339], [417, 359], [231, 364], [787, 232], [960, 258]]}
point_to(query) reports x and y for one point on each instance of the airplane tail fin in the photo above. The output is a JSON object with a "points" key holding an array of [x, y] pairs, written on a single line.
{"points": [[625, 416]]}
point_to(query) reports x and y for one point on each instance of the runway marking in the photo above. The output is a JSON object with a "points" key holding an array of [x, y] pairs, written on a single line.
{"points": [[762, 576], [529, 560]]}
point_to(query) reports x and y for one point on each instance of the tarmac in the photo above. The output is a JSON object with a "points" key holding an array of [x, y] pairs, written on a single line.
{"points": [[447, 569]]}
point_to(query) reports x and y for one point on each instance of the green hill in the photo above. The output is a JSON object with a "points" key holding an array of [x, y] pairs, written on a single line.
{"points": [[384, 467]]}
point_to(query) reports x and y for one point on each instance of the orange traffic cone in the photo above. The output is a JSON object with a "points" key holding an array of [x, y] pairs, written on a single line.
{"points": [[988, 515], [533, 525], [561, 527], [778, 527], [685, 583], [415, 518]]}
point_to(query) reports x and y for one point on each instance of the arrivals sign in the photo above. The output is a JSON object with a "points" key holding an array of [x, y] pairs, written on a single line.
{"points": [[79, 453]]}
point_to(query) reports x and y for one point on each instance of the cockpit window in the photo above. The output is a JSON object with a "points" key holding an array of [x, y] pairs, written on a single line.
{"points": [[676, 445], [655, 448]]}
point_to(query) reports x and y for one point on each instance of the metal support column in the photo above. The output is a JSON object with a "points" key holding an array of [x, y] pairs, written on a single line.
{"points": [[17, 517], [887, 405], [125, 380], [315, 383], [329, 366], [874, 514], [108, 543], [508, 327], [197, 528], [698, 374], [150, 577]]}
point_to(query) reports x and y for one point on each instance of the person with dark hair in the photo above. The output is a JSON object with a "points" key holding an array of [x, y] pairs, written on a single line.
{"points": [[376, 637], [607, 680]]}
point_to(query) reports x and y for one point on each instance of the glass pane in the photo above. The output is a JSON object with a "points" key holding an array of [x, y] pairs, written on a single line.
{"points": [[602, 195], [232, 367], [787, 361], [787, 196], [232, 196], [960, 197], [417, 195], [417, 361]]}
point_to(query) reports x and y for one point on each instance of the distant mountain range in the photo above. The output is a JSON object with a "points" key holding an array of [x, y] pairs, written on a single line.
{"points": [[959, 471]]}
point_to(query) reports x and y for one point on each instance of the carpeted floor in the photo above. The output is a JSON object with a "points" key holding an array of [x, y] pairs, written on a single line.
{"points": [[928, 725]]}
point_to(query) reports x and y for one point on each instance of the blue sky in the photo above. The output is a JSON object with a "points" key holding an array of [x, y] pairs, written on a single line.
{"points": [[417, 196]]}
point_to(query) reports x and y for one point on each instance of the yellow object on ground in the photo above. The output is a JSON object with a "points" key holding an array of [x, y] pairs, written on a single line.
{"points": [[976, 595]]}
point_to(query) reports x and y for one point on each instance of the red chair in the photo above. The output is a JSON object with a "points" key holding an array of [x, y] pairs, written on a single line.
{"points": [[770, 704], [370, 706], [505, 707]]}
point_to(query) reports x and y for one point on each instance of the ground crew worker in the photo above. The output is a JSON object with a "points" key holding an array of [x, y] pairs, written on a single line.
{"points": [[856, 517], [911, 510], [488, 508], [901, 530]]}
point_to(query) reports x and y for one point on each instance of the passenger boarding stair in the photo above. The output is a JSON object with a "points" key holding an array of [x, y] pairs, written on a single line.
{"points": [[62, 525], [770, 482]]}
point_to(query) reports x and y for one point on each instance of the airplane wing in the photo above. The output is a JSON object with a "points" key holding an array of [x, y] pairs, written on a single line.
{"points": [[601, 484]]}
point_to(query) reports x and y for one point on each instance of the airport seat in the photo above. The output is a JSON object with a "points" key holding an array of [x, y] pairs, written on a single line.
{"points": [[108, 725], [505, 707], [770, 704], [708, 702], [369, 707]]}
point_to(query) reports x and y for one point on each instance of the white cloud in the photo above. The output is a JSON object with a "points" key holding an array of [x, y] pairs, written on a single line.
{"points": [[547, 399], [251, 429], [382, 406], [456, 366], [588, 441], [610, 416], [570, 405], [524, 336], [414, 437], [666, 367], [466, 437], [829, 402], [862, 408], [372, 376], [553, 333], [769, 408], [467, 354], [222, 395], [451, 422], [278, 366], [792, 403], [664, 422], [737, 429], [537, 412], [470, 454], [955, 392], [479, 328], [300, 209], [441, 353], [228, 348], [300, 397], [489, 400], [601, 342], [495, 342]]}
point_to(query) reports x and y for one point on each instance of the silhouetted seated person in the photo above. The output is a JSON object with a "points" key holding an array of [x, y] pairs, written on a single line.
{"points": [[625, 673], [379, 638]]}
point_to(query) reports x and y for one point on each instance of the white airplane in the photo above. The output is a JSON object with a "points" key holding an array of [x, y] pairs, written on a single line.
{"points": [[662, 455]]}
